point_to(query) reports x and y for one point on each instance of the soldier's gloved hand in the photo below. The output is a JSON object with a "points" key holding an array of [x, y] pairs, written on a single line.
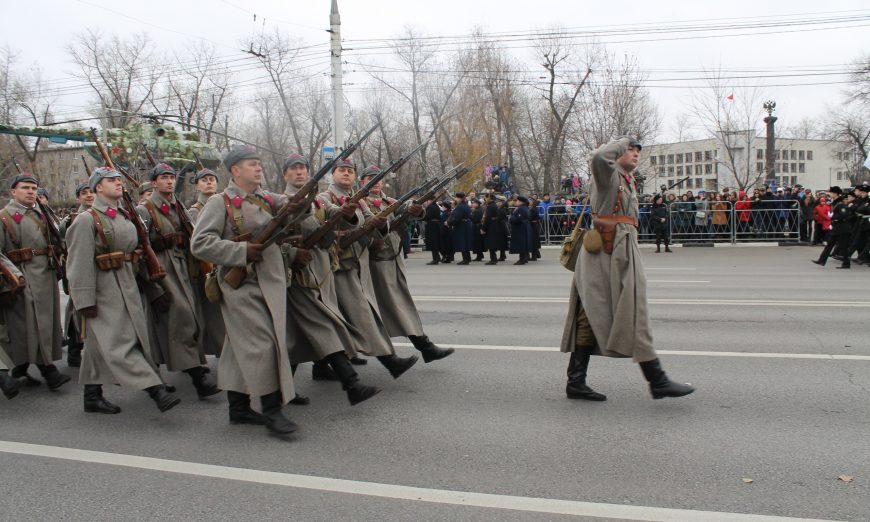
{"points": [[254, 252], [161, 304], [415, 210], [303, 257], [379, 222], [295, 207], [90, 312], [349, 209]]}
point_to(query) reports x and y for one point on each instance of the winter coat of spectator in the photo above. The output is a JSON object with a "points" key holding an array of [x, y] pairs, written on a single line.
{"points": [[822, 221]]}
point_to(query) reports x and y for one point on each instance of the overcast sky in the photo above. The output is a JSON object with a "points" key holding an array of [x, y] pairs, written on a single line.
{"points": [[40, 31]]}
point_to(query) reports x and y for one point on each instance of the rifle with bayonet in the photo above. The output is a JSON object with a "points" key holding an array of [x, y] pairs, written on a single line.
{"points": [[369, 225], [56, 243], [433, 192], [87, 168], [156, 272], [275, 229]]}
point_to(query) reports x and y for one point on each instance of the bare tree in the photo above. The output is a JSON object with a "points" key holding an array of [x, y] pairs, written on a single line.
{"points": [[123, 73], [850, 124], [731, 116]]}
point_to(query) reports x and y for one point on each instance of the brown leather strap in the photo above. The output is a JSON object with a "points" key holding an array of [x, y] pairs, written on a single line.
{"points": [[149, 206], [235, 224], [10, 230], [98, 227]]}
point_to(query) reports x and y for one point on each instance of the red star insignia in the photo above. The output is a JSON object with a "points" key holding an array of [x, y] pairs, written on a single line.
{"points": [[164, 209], [17, 217], [237, 201], [111, 212]]}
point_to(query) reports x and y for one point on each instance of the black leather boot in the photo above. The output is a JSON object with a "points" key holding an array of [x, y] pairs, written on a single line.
{"points": [[53, 378], [397, 365], [165, 401], [429, 350], [356, 391], [275, 420], [356, 360], [204, 386], [8, 385], [578, 365], [659, 384], [321, 371], [240, 409], [96, 403], [20, 372]]}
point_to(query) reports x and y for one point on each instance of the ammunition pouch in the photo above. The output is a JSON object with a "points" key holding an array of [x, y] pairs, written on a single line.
{"points": [[167, 241], [212, 287], [116, 260], [25, 255]]}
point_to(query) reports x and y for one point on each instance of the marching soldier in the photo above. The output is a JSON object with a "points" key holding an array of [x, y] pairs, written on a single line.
{"points": [[395, 303], [213, 331], [521, 231], [145, 190], [353, 281], [11, 284], [493, 228], [33, 320], [608, 313], [177, 330], [103, 263], [71, 324], [841, 228], [316, 330], [476, 236], [254, 358]]}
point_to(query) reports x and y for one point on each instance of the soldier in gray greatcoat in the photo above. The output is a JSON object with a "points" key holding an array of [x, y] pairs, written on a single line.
{"points": [[33, 321], [9, 290], [71, 325], [316, 330], [608, 312], [254, 358], [213, 331], [390, 281], [353, 280], [176, 329], [104, 253]]}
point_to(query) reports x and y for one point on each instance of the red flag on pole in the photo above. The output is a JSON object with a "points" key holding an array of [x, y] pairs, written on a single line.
{"points": [[730, 97]]}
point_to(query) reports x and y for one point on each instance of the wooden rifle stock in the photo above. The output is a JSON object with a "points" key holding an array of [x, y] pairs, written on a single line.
{"points": [[15, 283], [156, 272], [85, 163]]}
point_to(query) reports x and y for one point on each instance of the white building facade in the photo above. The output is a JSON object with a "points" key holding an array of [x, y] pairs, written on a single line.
{"points": [[737, 161]]}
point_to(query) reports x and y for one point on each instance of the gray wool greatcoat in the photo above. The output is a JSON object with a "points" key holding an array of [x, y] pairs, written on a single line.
{"points": [[213, 329], [315, 326], [33, 321], [177, 335], [254, 359], [5, 360], [353, 282], [397, 307], [612, 288], [70, 318], [117, 343]]}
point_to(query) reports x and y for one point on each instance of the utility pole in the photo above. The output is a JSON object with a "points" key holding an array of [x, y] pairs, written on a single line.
{"points": [[337, 94]]}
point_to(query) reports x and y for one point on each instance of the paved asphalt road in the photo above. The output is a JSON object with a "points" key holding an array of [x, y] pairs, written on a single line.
{"points": [[487, 434]]}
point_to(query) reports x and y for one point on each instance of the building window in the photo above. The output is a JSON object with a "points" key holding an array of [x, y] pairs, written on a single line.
{"points": [[759, 167], [670, 171], [688, 170], [793, 181], [708, 155], [699, 182], [652, 161], [802, 155], [778, 154], [670, 159], [661, 160], [802, 168], [759, 153], [698, 157], [809, 155], [785, 167], [680, 171], [688, 183], [793, 154], [75, 169], [841, 176], [708, 168]]}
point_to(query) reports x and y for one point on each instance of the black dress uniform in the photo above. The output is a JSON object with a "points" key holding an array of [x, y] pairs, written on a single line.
{"points": [[433, 231], [841, 230]]}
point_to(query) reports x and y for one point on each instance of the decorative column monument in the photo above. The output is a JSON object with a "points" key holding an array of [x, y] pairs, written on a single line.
{"points": [[770, 149]]}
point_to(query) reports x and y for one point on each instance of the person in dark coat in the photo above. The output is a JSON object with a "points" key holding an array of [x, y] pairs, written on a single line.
{"points": [[447, 249], [660, 218], [476, 236], [841, 232], [432, 217], [535, 222], [521, 231], [493, 229], [459, 224]]}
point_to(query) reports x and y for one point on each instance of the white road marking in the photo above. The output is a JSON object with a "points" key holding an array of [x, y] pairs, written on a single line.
{"points": [[695, 353], [676, 281], [390, 491], [691, 302]]}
